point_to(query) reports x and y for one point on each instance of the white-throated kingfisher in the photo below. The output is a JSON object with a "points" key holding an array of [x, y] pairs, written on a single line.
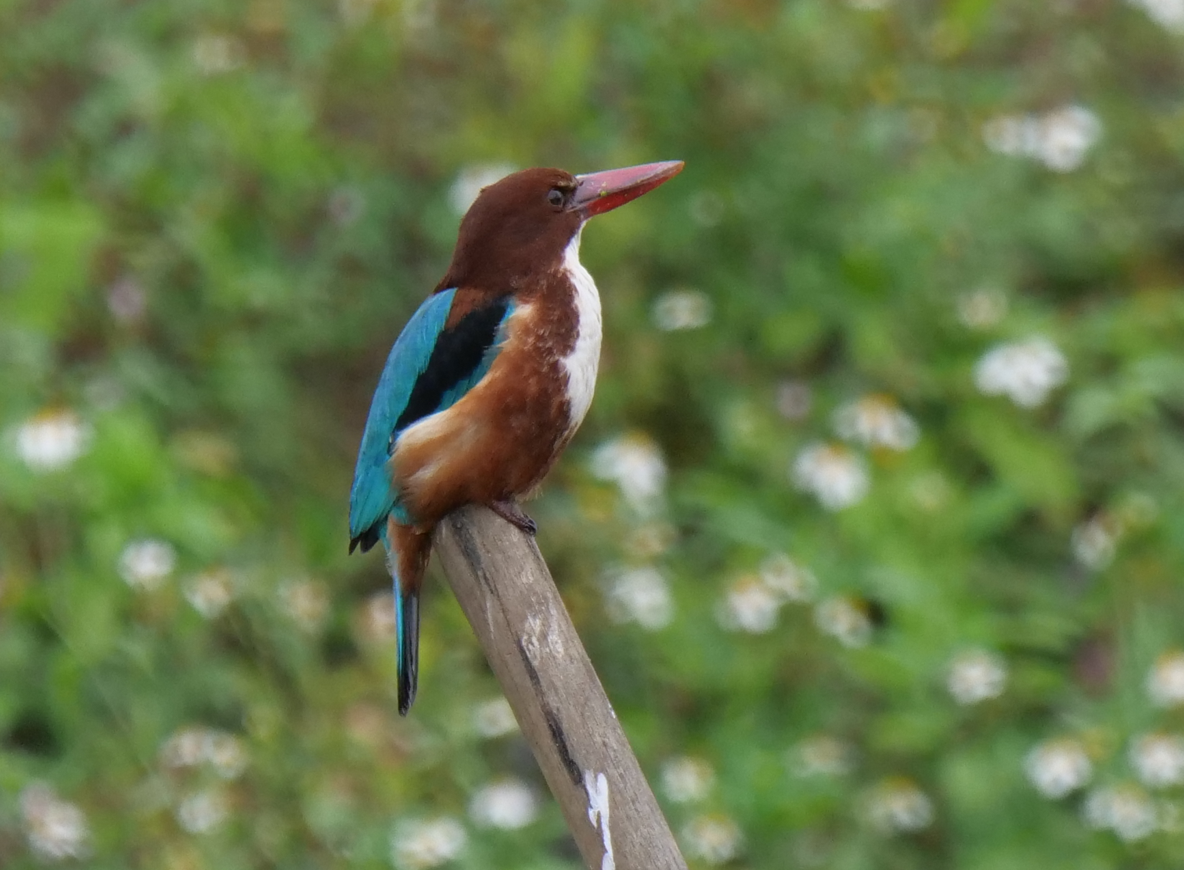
{"points": [[489, 379]]}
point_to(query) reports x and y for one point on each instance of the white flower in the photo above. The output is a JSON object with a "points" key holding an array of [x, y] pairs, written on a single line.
{"points": [[378, 617], [144, 564], [1025, 371], [202, 811], [306, 602], [1066, 136], [982, 308], [417, 844], [471, 180], [1059, 139], [1168, 14], [715, 839], [1057, 767], [1094, 542], [510, 804], [822, 755], [640, 595], [976, 675], [51, 440], [216, 53], [687, 780], [844, 618], [636, 465], [185, 748], [196, 745], [897, 805], [681, 309], [1165, 682], [1158, 759], [876, 421], [835, 475], [225, 753], [210, 592], [788, 579], [55, 829], [494, 718], [749, 605], [794, 400], [1126, 810]]}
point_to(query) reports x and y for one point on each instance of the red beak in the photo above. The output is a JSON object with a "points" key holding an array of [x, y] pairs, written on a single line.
{"points": [[599, 192]]}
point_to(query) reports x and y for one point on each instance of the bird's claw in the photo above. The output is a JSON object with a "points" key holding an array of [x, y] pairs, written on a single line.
{"points": [[509, 511]]}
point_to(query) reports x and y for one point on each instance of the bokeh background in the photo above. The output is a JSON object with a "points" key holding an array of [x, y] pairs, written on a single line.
{"points": [[875, 530]]}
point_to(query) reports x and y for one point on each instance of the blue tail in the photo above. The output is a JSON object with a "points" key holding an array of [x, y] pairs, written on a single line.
{"points": [[407, 558], [407, 641]]}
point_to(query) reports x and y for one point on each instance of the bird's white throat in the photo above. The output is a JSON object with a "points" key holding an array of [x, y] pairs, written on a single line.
{"points": [[582, 362]]}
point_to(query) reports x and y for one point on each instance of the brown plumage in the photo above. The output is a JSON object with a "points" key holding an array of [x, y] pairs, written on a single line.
{"points": [[522, 332]]}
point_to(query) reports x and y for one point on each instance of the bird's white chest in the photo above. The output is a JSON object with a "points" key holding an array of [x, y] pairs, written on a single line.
{"points": [[581, 364]]}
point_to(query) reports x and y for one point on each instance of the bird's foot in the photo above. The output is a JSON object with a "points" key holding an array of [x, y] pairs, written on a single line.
{"points": [[509, 511]]}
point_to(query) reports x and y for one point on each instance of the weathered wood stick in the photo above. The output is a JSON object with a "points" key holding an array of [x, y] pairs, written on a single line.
{"points": [[506, 591]]}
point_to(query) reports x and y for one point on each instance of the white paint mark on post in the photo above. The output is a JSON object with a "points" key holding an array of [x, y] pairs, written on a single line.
{"points": [[597, 789]]}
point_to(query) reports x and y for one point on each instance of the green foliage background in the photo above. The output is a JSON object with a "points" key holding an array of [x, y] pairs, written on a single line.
{"points": [[214, 219]]}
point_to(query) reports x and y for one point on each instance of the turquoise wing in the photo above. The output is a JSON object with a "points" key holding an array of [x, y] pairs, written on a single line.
{"points": [[428, 370]]}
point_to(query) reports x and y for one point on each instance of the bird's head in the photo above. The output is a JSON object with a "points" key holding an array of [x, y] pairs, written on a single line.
{"points": [[522, 224]]}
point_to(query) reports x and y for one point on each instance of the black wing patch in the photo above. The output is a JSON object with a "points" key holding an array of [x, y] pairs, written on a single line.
{"points": [[455, 358]]}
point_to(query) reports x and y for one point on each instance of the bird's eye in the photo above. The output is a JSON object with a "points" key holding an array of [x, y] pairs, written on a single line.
{"points": [[555, 197]]}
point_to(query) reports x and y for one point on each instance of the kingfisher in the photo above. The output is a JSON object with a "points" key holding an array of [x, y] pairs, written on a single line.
{"points": [[489, 379]]}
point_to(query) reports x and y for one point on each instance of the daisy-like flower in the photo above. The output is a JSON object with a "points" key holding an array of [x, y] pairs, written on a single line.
{"points": [[636, 465], [417, 844], [640, 595], [876, 421], [509, 804], [55, 829], [714, 839], [1168, 14], [687, 780], [982, 308], [1024, 371], [822, 755], [202, 811], [1158, 759], [788, 579], [681, 309], [845, 618], [832, 473], [1059, 139], [306, 602], [975, 676], [194, 746], [51, 440], [1126, 810], [1058, 767], [1165, 682], [896, 805], [146, 563], [210, 592], [494, 718], [470, 181], [749, 605]]}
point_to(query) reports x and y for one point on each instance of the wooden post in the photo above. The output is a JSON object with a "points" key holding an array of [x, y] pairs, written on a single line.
{"points": [[506, 591]]}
